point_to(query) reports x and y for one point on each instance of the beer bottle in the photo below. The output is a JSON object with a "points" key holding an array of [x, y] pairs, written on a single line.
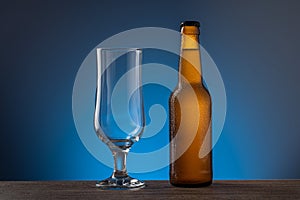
{"points": [[190, 117]]}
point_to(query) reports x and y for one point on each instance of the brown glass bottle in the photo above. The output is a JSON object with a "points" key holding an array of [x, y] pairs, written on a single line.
{"points": [[190, 117]]}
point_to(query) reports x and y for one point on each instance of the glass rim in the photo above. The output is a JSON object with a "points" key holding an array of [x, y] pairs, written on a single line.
{"points": [[125, 49]]}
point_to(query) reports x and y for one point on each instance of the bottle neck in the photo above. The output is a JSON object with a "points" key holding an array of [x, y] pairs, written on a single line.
{"points": [[190, 63]]}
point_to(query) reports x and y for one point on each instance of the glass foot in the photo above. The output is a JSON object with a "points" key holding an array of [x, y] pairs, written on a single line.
{"points": [[120, 183]]}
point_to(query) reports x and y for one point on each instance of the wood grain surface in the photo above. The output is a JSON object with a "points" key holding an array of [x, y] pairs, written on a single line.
{"points": [[86, 190]]}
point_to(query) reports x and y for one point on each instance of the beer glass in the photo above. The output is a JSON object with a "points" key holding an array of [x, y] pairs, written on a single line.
{"points": [[119, 113]]}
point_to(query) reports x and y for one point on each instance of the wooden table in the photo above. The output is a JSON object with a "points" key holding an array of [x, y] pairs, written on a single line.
{"points": [[85, 190]]}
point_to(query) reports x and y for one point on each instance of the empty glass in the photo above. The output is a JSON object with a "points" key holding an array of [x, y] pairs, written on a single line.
{"points": [[119, 113]]}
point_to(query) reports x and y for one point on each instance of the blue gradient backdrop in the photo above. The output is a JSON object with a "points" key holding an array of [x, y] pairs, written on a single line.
{"points": [[255, 44]]}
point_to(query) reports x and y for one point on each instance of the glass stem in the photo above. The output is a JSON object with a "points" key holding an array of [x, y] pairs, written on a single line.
{"points": [[119, 163]]}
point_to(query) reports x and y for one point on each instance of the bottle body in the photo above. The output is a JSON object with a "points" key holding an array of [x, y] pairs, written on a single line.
{"points": [[190, 122]]}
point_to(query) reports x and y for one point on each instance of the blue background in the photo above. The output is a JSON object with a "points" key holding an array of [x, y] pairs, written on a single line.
{"points": [[255, 44]]}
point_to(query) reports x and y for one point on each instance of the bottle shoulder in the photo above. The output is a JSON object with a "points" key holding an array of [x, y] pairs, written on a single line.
{"points": [[184, 89], [189, 94]]}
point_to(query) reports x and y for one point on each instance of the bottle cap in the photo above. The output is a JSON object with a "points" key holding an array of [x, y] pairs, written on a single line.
{"points": [[190, 23]]}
